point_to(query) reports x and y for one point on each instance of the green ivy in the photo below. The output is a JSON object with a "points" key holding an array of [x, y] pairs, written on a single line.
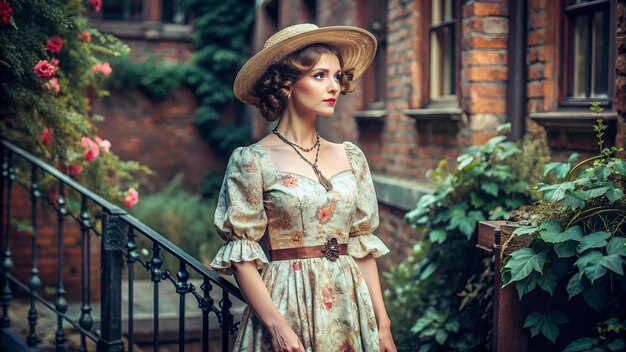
{"points": [[579, 246], [156, 80], [222, 32], [440, 297]]}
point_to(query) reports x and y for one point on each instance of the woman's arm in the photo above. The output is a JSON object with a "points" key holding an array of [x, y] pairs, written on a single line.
{"points": [[369, 270], [258, 298]]}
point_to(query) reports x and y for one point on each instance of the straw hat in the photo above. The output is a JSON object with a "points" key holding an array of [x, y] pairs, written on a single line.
{"points": [[355, 45]]}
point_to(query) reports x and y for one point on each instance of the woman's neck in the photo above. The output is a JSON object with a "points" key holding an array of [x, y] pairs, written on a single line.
{"points": [[299, 130]]}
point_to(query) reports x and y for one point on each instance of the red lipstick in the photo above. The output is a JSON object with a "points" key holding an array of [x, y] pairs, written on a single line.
{"points": [[330, 101]]}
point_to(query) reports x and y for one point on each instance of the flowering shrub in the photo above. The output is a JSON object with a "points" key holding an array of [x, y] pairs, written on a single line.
{"points": [[53, 64]]}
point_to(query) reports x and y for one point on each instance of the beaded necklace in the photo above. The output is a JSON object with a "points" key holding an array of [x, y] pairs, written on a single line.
{"points": [[322, 179]]}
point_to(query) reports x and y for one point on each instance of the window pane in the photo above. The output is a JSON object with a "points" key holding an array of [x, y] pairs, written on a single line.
{"points": [[435, 15], [448, 10], [600, 54], [122, 9], [173, 12], [442, 62], [581, 49]]}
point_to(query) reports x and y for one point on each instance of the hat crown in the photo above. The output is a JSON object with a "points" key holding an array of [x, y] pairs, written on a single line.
{"points": [[289, 32]]}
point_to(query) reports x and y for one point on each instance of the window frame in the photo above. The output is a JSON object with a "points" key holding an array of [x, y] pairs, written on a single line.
{"points": [[426, 99], [568, 15], [370, 81]]}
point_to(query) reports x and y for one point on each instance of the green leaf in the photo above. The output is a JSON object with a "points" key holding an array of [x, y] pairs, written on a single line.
{"points": [[546, 324], [594, 270], [617, 345], [582, 344], [595, 297], [575, 285], [524, 230], [551, 232], [554, 193], [560, 170], [441, 336], [586, 257], [613, 262], [548, 281], [524, 261], [614, 194], [566, 249], [425, 274], [527, 284], [593, 240], [617, 246], [490, 188], [437, 235]]}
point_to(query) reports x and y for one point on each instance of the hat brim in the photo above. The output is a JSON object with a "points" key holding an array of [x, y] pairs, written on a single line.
{"points": [[355, 45]]}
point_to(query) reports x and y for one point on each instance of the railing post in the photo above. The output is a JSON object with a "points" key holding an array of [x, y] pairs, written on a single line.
{"points": [[114, 230]]}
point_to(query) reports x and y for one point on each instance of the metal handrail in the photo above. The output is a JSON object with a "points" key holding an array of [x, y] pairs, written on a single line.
{"points": [[117, 246], [131, 220]]}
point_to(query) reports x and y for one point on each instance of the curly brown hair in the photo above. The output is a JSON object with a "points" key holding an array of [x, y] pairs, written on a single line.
{"points": [[273, 87]]}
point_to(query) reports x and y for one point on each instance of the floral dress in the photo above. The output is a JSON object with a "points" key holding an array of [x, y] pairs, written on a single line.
{"points": [[326, 303]]}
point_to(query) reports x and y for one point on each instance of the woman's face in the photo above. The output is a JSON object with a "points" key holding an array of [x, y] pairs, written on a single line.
{"points": [[316, 91]]}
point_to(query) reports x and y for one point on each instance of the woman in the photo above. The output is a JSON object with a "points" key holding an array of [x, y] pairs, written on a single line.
{"points": [[321, 290]]}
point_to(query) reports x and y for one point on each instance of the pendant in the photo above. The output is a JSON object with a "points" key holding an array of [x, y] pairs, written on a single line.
{"points": [[323, 180]]}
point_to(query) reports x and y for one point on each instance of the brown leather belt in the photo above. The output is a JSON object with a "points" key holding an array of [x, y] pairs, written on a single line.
{"points": [[309, 252]]}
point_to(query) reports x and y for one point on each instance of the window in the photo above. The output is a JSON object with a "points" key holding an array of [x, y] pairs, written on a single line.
{"points": [[173, 11], [311, 10], [122, 10], [375, 82], [443, 63], [587, 49]]}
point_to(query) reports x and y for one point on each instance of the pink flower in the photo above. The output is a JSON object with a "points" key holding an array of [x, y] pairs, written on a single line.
{"points": [[85, 36], [5, 12], [104, 144], [103, 68], [55, 62], [96, 5], [46, 137], [54, 44], [93, 150], [72, 170], [44, 69], [132, 197], [53, 83]]}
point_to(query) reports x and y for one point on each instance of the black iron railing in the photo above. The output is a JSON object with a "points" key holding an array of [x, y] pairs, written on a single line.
{"points": [[118, 236]]}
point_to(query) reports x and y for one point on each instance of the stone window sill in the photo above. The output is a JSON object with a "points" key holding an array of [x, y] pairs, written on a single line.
{"points": [[399, 193], [450, 113], [371, 115], [148, 30], [580, 121]]}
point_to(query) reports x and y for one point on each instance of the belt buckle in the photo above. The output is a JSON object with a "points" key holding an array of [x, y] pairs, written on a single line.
{"points": [[331, 249]]}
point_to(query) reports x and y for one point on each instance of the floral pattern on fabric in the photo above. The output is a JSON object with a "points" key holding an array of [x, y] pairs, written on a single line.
{"points": [[326, 303]]}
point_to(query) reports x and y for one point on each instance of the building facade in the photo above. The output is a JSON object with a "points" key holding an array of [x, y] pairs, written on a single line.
{"points": [[448, 72]]}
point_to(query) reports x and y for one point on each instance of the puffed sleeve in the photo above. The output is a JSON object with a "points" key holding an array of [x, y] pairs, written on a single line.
{"points": [[240, 218], [362, 240]]}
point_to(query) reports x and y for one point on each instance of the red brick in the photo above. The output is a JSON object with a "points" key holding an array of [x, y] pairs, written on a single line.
{"points": [[482, 9], [535, 89], [536, 72], [536, 38], [486, 42], [537, 20], [488, 105], [495, 25], [482, 57], [486, 90], [486, 73], [537, 54]]}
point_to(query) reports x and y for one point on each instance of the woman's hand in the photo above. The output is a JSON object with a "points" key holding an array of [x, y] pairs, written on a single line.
{"points": [[284, 339], [385, 340]]}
